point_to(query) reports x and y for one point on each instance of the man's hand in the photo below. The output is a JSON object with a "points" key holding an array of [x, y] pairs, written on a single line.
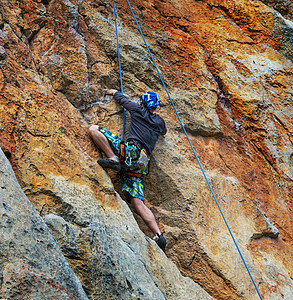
{"points": [[111, 92]]}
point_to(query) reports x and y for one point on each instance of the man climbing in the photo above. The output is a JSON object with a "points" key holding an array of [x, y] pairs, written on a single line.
{"points": [[132, 157]]}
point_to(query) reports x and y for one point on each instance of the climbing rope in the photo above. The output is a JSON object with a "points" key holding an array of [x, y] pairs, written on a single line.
{"points": [[120, 69], [163, 83]]}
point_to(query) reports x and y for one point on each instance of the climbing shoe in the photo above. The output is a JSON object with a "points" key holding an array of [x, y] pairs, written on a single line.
{"points": [[161, 241], [110, 163]]}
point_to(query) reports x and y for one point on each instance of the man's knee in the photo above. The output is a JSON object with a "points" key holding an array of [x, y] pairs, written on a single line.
{"points": [[136, 204], [93, 129]]}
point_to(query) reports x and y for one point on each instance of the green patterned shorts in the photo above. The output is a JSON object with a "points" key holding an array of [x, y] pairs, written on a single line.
{"points": [[131, 185]]}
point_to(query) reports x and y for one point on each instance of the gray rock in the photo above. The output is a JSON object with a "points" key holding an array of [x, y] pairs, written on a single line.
{"points": [[31, 264], [3, 54]]}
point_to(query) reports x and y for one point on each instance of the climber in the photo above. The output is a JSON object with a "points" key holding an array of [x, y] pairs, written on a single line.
{"points": [[132, 157]]}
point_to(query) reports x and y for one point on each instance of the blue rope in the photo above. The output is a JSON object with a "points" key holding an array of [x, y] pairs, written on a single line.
{"points": [[195, 153], [120, 72]]}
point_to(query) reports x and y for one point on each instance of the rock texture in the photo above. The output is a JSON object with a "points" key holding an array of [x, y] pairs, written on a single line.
{"points": [[228, 67], [31, 265]]}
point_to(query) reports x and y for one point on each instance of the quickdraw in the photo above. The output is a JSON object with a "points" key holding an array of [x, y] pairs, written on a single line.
{"points": [[122, 152]]}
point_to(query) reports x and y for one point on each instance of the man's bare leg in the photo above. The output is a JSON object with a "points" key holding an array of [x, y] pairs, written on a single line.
{"points": [[101, 141], [145, 213]]}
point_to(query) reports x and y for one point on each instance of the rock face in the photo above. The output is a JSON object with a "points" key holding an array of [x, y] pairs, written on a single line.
{"points": [[228, 67], [32, 266]]}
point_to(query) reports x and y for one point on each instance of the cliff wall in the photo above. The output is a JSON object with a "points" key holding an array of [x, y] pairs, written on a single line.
{"points": [[228, 67]]}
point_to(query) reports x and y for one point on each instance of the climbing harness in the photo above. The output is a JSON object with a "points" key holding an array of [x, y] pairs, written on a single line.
{"points": [[122, 152], [138, 175], [186, 134]]}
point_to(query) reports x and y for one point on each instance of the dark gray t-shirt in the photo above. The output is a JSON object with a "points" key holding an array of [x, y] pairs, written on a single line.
{"points": [[145, 127]]}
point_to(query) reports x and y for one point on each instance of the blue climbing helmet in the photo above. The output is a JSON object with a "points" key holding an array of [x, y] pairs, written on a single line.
{"points": [[150, 100]]}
